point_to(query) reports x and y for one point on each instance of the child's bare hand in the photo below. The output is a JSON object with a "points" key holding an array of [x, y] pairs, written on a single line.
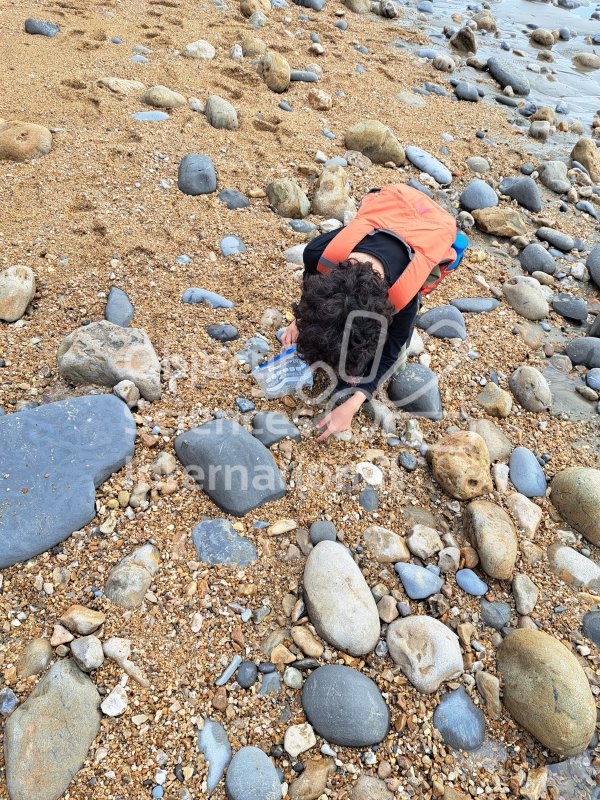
{"points": [[290, 336]]}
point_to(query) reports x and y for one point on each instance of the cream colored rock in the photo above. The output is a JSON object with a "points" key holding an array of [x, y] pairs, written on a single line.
{"points": [[386, 546], [376, 141], [339, 602], [17, 289], [105, 354], [493, 535], [495, 401], [307, 641], [319, 100], [121, 85], [163, 97], [130, 579], [586, 152], [288, 199], [525, 512], [498, 444], [253, 46], [331, 199], [546, 691], [275, 71], [22, 141], [201, 49], [249, 7], [575, 493], [500, 221], [460, 463], [82, 620]]}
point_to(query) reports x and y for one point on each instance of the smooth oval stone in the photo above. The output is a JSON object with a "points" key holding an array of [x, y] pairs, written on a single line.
{"points": [[196, 175], [303, 75], [561, 241], [591, 626], [468, 92], [322, 530], [443, 322], [524, 191], [418, 582], [247, 674], [570, 307], [196, 295], [345, 707], [415, 390], [341, 24], [501, 73], [526, 474], [475, 305], [232, 245], [119, 309], [336, 593], [252, 776], [424, 161], [233, 199], [478, 194], [592, 378], [285, 106], [496, 615], [150, 116], [39, 27], [471, 583], [302, 225], [535, 258], [426, 52], [460, 721], [139, 59], [222, 333], [214, 745], [369, 499], [587, 207]]}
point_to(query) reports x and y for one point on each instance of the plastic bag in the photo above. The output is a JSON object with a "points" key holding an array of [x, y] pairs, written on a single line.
{"points": [[285, 374]]}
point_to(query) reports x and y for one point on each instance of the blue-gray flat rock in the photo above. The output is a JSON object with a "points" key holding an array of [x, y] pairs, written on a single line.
{"points": [[443, 322], [222, 333], [55, 456], [561, 241], [460, 721], [466, 91], [269, 427], [345, 707], [119, 309], [504, 75], [196, 295], [214, 745], [535, 258], [471, 583], [235, 470], [232, 245], [524, 191], [247, 674], [496, 615], [39, 27], [196, 175], [415, 390], [475, 305], [252, 776], [591, 626], [526, 474], [321, 531], [216, 542], [424, 161], [303, 75], [418, 582], [585, 350], [570, 307], [478, 194], [233, 199]]}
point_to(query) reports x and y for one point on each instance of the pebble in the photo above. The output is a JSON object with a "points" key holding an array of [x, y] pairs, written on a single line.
{"points": [[322, 530], [196, 175], [217, 542], [443, 322], [419, 583], [460, 721], [233, 199], [427, 651], [252, 776], [478, 194], [222, 333], [425, 162], [526, 475], [471, 583], [495, 614], [41, 28]]}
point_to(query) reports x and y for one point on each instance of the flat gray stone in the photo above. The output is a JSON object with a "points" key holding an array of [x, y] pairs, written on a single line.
{"points": [[561, 241], [478, 194], [40, 27], [504, 75], [535, 258], [570, 307], [47, 737], [345, 707], [216, 542], [235, 470], [55, 456], [475, 305], [252, 776], [416, 390], [585, 350], [269, 427], [460, 721], [524, 191], [424, 161], [526, 474], [443, 322], [119, 308]]}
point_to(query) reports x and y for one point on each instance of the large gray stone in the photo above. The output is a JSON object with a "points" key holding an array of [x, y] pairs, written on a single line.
{"points": [[216, 542], [593, 264], [269, 427], [460, 721], [47, 738], [339, 601], [585, 350], [535, 258], [196, 175], [524, 191], [553, 174], [119, 309], [504, 75], [235, 470], [478, 194], [424, 161], [443, 322], [252, 776], [55, 456], [526, 474], [415, 390], [105, 354], [345, 707]]}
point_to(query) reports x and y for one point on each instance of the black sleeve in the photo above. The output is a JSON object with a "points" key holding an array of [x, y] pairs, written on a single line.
{"points": [[314, 250], [399, 334]]}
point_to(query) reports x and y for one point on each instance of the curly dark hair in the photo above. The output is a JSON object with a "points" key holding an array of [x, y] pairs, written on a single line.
{"points": [[326, 302]]}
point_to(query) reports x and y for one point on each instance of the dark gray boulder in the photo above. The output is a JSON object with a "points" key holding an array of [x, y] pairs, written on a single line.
{"points": [[55, 456], [235, 470], [416, 390], [345, 707]]}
